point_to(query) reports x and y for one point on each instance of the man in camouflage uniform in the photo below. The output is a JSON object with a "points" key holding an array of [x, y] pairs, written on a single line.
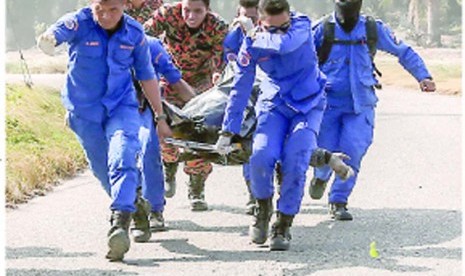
{"points": [[142, 10], [194, 36]]}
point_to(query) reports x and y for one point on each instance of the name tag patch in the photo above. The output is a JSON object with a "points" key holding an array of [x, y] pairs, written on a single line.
{"points": [[126, 47], [92, 43]]}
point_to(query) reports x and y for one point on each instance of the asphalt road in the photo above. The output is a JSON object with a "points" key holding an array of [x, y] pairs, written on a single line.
{"points": [[407, 200]]}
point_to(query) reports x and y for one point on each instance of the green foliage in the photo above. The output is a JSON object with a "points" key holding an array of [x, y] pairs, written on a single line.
{"points": [[40, 149], [81, 3], [17, 133], [23, 15], [39, 28]]}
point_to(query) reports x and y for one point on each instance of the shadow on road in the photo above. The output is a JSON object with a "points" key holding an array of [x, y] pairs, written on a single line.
{"points": [[79, 272], [187, 225], [399, 234], [42, 252], [46, 252]]}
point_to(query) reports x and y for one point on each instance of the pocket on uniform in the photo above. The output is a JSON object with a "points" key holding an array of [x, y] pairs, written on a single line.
{"points": [[90, 50], [368, 79], [89, 55], [366, 74], [124, 55], [333, 71]]}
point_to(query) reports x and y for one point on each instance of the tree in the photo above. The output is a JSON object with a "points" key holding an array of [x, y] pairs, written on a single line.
{"points": [[434, 35], [414, 15]]}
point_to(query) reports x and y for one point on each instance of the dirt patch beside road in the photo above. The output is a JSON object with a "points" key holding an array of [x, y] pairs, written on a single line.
{"points": [[445, 65]]}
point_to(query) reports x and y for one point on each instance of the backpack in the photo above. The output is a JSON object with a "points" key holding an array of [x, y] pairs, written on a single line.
{"points": [[329, 39]]}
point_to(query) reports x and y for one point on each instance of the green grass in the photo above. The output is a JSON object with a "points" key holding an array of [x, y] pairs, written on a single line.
{"points": [[40, 149]]}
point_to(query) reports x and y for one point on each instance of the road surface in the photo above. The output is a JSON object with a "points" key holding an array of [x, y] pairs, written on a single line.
{"points": [[407, 200]]}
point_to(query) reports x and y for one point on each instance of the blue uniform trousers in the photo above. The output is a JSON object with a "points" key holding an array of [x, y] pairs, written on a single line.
{"points": [[351, 134], [112, 148], [246, 171], [288, 136], [152, 170]]}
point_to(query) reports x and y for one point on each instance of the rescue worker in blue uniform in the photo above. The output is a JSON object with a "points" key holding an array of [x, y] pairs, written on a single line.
{"points": [[152, 168], [349, 118], [247, 17], [289, 113], [104, 47]]}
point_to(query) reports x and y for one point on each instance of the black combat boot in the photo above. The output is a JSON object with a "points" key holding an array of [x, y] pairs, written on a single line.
{"points": [[280, 233], [170, 170], [317, 188], [141, 230], [258, 231], [338, 211], [118, 237], [251, 204], [157, 222], [196, 192]]}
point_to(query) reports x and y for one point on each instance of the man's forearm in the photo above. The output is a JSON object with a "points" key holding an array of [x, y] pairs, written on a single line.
{"points": [[183, 90], [152, 93]]}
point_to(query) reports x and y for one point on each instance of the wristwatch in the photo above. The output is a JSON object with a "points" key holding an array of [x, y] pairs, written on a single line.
{"points": [[160, 117]]}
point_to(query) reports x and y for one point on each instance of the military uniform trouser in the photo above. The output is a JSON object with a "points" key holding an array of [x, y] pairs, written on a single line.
{"points": [[170, 154], [246, 171], [351, 134], [112, 148], [290, 137], [152, 170], [192, 167]]}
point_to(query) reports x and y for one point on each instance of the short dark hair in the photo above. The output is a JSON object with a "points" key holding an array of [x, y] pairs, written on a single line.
{"points": [[248, 3], [206, 2], [273, 7], [102, 1]]}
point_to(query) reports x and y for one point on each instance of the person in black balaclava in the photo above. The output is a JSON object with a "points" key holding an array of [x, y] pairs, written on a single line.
{"points": [[346, 42], [347, 13]]}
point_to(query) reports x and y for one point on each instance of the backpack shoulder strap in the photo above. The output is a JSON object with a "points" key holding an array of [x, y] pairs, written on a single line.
{"points": [[328, 40], [372, 35]]}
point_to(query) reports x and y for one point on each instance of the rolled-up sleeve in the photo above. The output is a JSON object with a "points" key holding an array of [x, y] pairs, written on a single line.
{"points": [[164, 64], [143, 68]]}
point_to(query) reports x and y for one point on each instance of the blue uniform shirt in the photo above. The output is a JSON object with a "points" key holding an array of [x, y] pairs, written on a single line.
{"points": [[99, 69], [232, 43], [162, 61], [349, 68], [290, 64]]}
